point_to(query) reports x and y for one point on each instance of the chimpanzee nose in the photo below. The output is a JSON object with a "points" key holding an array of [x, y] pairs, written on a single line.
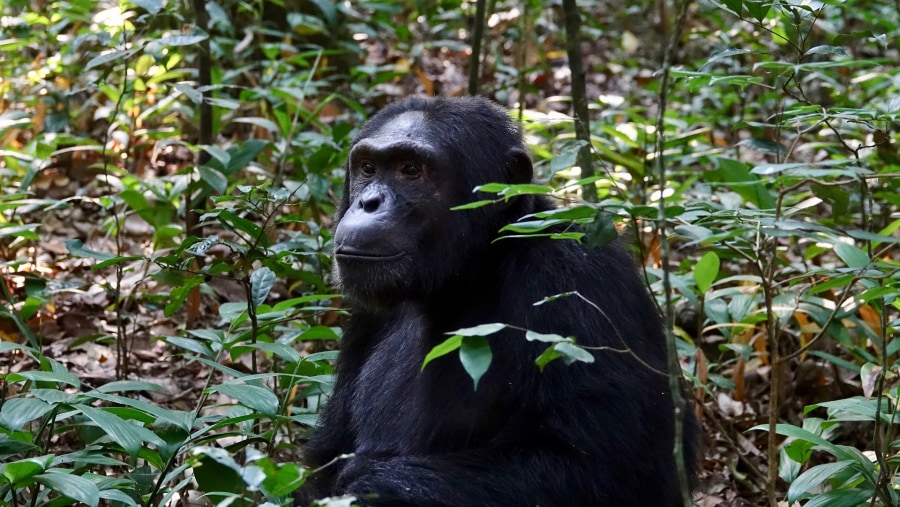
{"points": [[370, 200]]}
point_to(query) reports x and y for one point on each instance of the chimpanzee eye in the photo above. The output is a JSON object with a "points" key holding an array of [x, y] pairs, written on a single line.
{"points": [[411, 170], [367, 168]]}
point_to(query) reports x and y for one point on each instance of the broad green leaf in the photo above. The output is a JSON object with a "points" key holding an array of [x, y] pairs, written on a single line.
{"points": [[841, 452], [57, 377], [573, 213], [442, 349], [548, 355], [508, 190], [758, 9], [280, 478], [852, 256], [73, 486], [572, 353], [826, 50], [548, 338], [261, 282], [256, 397], [844, 37], [473, 205], [120, 386], [24, 470], [125, 433], [77, 248], [16, 412], [601, 231], [873, 237], [151, 6], [190, 345], [190, 92], [214, 178], [242, 224], [217, 471], [181, 40], [736, 6], [706, 271], [736, 174], [475, 356], [112, 56], [262, 123], [243, 155], [482, 330], [857, 497], [117, 496], [24, 231], [814, 478]]}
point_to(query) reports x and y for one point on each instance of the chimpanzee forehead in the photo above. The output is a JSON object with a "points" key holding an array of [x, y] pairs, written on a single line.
{"points": [[405, 126]]}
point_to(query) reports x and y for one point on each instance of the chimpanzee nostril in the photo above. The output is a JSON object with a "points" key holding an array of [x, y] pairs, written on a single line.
{"points": [[370, 201]]}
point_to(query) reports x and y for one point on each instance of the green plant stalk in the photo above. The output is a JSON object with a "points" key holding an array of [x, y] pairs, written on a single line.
{"points": [[477, 37], [579, 97], [675, 378]]}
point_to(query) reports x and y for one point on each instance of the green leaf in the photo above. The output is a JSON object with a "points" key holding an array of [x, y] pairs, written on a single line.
{"points": [[246, 153], [508, 190], [77, 248], [281, 479], [852, 256], [256, 397], [241, 224], [261, 282], [120, 386], [876, 239], [125, 433], [56, 377], [475, 355], [814, 478], [482, 330], [736, 6], [548, 355], [706, 271], [856, 497], [17, 411], [181, 40], [601, 231], [151, 6], [23, 470], [737, 176], [826, 50], [844, 37], [24, 231], [763, 146], [111, 56], [841, 452], [214, 178], [442, 349], [758, 10], [473, 205], [548, 338], [73, 486], [573, 353]]}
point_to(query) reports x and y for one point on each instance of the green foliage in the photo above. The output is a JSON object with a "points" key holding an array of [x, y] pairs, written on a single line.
{"points": [[781, 199]]}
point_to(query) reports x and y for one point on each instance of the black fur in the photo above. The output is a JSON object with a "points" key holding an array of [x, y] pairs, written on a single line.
{"points": [[587, 435]]}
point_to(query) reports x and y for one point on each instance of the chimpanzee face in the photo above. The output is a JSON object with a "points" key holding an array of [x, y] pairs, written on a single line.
{"points": [[397, 236]]}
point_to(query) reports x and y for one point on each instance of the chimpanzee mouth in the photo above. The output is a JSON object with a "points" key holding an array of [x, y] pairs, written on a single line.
{"points": [[350, 253]]}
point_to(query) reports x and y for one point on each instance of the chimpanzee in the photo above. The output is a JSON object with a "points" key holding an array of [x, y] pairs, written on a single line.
{"points": [[412, 270]]}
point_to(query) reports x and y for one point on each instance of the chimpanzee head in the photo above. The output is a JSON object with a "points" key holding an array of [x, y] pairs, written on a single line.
{"points": [[396, 236]]}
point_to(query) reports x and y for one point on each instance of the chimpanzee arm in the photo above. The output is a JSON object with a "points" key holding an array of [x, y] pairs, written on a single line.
{"points": [[529, 478]]}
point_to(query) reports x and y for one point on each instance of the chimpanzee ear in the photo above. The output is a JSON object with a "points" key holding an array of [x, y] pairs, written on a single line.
{"points": [[518, 166]]}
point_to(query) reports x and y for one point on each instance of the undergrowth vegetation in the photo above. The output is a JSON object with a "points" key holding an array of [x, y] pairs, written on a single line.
{"points": [[166, 323]]}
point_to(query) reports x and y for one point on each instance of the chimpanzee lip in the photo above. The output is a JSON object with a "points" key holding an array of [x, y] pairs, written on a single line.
{"points": [[353, 253]]}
